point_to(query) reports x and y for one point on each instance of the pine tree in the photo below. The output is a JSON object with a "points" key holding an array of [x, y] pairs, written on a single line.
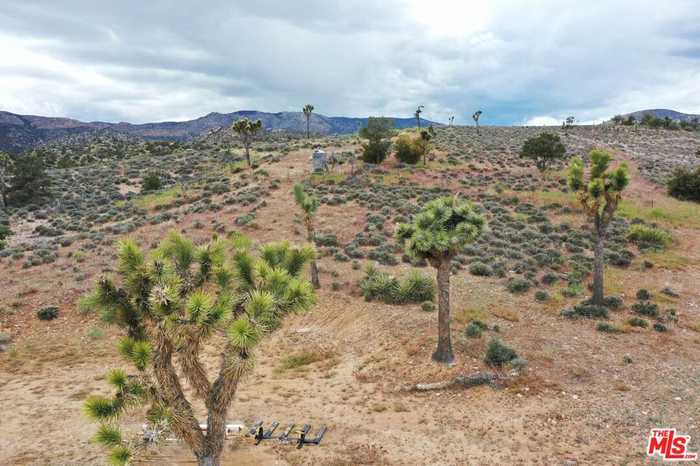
{"points": [[437, 234], [172, 302]]}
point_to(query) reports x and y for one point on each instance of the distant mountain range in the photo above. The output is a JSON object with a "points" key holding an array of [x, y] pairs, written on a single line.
{"points": [[663, 113], [21, 132]]}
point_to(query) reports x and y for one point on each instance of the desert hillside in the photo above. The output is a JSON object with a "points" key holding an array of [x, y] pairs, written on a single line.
{"points": [[587, 391]]}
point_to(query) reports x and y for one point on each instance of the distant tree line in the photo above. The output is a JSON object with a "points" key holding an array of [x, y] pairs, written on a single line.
{"points": [[652, 121]]}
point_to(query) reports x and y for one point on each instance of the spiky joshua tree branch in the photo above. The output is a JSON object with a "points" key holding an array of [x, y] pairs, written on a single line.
{"points": [[173, 301]]}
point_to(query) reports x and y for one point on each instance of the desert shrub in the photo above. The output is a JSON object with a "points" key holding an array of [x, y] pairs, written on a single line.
{"points": [[499, 354], [408, 149], [151, 182], [416, 288], [379, 286], [384, 287], [646, 308], [427, 306], [684, 184], [643, 295], [648, 237], [541, 295], [480, 269], [612, 302], [518, 285], [638, 322], [47, 313], [474, 329], [659, 327], [549, 278], [590, 311], [544, 149], [607, 328]]}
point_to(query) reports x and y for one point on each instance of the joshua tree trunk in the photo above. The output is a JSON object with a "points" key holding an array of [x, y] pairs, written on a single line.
{"points": [[208, 460], [307, 126], [599, 264], [247, 154], [314, 275], [443, 353], [477, 127], [314, 269]]}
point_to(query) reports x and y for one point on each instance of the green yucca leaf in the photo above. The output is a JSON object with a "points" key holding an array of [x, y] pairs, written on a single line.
{"points": [[198, 306], [223, 277], [260, 303], [126, 347], [118, 378], [136, 391], [243, 333], [244, 267], [99, 408], [119, 456], [140, 354], [299, 296], [239, 241], [274, 253], [108, 436], [159, 414], [297, 258], [130, 256]]}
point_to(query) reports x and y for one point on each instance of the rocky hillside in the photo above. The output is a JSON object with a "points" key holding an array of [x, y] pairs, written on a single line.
{"points": [[663, 113], [21, 132]]}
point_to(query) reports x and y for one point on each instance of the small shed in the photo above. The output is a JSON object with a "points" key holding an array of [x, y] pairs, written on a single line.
{"points": [[319, 160]]}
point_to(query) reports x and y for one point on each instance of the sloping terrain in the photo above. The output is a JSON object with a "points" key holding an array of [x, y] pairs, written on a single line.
{"points": [[588, 397]]}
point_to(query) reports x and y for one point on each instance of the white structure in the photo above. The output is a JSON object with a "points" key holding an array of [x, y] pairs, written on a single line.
{"points": [[319, 160]]}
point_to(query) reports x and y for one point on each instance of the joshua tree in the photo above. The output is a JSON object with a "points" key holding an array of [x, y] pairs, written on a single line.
{"points": [[568, 123], [172, 303], [247, 130], [544, 150], [425, 136], [5, 166], [419, 110], [308, 109], [438, 233], [309, 205], [475, 117], [451, 120], [599, 196]]}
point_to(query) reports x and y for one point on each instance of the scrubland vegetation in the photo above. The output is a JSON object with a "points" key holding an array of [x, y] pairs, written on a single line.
{"points": [[550, 272]]}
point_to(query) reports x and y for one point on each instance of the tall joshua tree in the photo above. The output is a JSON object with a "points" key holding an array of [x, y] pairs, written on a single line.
{"points": [[309, 205], [308, 109], [438, 233], [171, 303], [599, 196], [476, 117], [247, 130], [419, 110], [425, 136]]}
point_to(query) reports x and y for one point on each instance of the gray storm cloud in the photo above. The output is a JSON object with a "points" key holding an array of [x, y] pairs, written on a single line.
{"points": [[529, 61]]}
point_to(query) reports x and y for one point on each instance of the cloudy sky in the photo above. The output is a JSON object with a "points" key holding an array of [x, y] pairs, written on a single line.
{"points": [[525, 61]]}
